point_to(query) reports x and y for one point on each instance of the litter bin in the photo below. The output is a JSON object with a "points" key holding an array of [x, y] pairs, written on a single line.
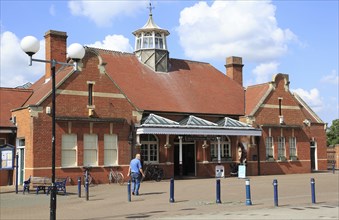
{"points": [[219, 171]]}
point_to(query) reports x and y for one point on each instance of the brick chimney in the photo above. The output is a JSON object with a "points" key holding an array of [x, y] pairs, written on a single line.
{"points": [[55, 45], [234, 68]]}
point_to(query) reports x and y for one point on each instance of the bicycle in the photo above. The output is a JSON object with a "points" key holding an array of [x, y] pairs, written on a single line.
{"points": [[89, 176], [116, 176], [153, 172]]}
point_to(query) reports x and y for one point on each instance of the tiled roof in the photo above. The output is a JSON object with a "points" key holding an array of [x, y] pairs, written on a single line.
{"points": [[253, 95], [189, 87], [10, 99]]}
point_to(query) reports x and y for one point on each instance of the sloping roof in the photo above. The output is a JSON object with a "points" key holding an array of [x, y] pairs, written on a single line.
{"points": [[232, 123], [42, 89], [190, 87], [307, 111], [192, 125], [11, 98], [254, 97], [151, 26]]}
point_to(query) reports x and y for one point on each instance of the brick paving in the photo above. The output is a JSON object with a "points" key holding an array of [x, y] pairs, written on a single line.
{"points": [[194, 199]]}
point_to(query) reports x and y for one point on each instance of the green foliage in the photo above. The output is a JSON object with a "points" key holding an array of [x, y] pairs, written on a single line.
{"points": [[333, 133]]}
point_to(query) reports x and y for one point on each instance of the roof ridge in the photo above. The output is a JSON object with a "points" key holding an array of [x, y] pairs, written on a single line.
{"points": [[109, 51], [192, 61]]}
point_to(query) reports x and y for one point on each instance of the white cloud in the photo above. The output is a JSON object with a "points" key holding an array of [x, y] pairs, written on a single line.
{"points": [[52, 10], [312, 98], [114, 42], [103, 12], [14, 62], [331, 78], [265, 71], [226, 28]]}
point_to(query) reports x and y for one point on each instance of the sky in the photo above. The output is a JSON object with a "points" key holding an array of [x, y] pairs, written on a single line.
{"points": [[298, 38]]}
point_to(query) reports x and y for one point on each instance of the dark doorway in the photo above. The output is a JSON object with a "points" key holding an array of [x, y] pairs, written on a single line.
{"points": [[188, 160]]}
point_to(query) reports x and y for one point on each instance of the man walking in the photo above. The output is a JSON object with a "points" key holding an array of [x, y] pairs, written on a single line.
{"points": [[135, 171]]}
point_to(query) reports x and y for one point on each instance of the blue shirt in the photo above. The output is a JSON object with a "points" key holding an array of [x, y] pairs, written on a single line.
{"points": [[135, 165]]}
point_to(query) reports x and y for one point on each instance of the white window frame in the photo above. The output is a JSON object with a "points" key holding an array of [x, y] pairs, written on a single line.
{"points": [[281, 148], [149, 149], [293, 146], [225, 148], [90, 150], [69, 147], [110, 149], [269, 147]]}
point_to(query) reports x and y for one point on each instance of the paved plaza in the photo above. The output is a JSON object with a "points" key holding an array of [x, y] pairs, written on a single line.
{"points": [[194, 199]]}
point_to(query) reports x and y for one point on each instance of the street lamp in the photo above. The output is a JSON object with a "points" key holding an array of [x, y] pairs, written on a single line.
{"points": [[30, 45]]}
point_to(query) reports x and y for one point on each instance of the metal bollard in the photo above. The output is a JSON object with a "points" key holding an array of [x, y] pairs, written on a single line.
{"points": [[86, 186], [248, 192], [313, 190], [333, 167], [218, 191], [275, 187], [16, 173], [171, 200], [79, 187], [129, 190]]}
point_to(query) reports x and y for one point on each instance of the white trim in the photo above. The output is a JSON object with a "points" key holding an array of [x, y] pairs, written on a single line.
{"points": [[198, 131]]}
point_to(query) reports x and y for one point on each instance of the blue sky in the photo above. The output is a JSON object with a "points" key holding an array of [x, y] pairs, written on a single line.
{"points": [[299, 38]]}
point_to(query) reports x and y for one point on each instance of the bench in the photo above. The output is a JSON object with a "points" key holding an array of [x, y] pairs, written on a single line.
{"points": [[40, 183], [43, 183], [60, 185]]}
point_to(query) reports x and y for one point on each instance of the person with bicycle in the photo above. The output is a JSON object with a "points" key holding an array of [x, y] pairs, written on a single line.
{"points": [[135, 171]]}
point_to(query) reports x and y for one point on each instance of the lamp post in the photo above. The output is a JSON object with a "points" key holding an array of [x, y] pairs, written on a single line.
{"points": [[30, 45]]}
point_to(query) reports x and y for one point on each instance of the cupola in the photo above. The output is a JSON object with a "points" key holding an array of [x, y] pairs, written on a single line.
{"points": [[151, 46]]}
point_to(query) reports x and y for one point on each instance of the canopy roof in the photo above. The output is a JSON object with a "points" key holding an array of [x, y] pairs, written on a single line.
{"points": [[192, 125]]}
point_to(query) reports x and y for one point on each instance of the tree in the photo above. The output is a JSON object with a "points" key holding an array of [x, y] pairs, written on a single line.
{"points": [[333, 133]]}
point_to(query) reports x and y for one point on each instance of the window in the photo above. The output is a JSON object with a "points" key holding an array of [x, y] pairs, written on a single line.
{"points": [[281, 148], [110, 149], [159, 43], [138, 46], [90, 150], [293, 147], [90, 94], [69, 150], [225, 148], [269, 147], [148, 40], [149, 148]]}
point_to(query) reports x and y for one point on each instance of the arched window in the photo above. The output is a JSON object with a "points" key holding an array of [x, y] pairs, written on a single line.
{"points": [[149, 148], [225, 148], [159, 43], [147, 40]]}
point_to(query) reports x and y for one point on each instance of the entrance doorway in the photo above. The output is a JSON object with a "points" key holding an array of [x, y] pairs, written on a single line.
{"points": [[188, 159], [313, 156]]}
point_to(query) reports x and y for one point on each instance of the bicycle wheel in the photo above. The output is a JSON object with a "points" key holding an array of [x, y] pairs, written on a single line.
{"points": [[159, 175], [120, 178]]}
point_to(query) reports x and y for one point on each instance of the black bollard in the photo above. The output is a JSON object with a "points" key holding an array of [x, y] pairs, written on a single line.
{"points": [[218, 191], [313, 190], [275, 188], [129, 190], [333, 167], [79, 187], [171, 191]]}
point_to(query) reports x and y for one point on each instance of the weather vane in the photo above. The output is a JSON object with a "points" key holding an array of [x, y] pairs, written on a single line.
{"points": [[150, 8]]}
